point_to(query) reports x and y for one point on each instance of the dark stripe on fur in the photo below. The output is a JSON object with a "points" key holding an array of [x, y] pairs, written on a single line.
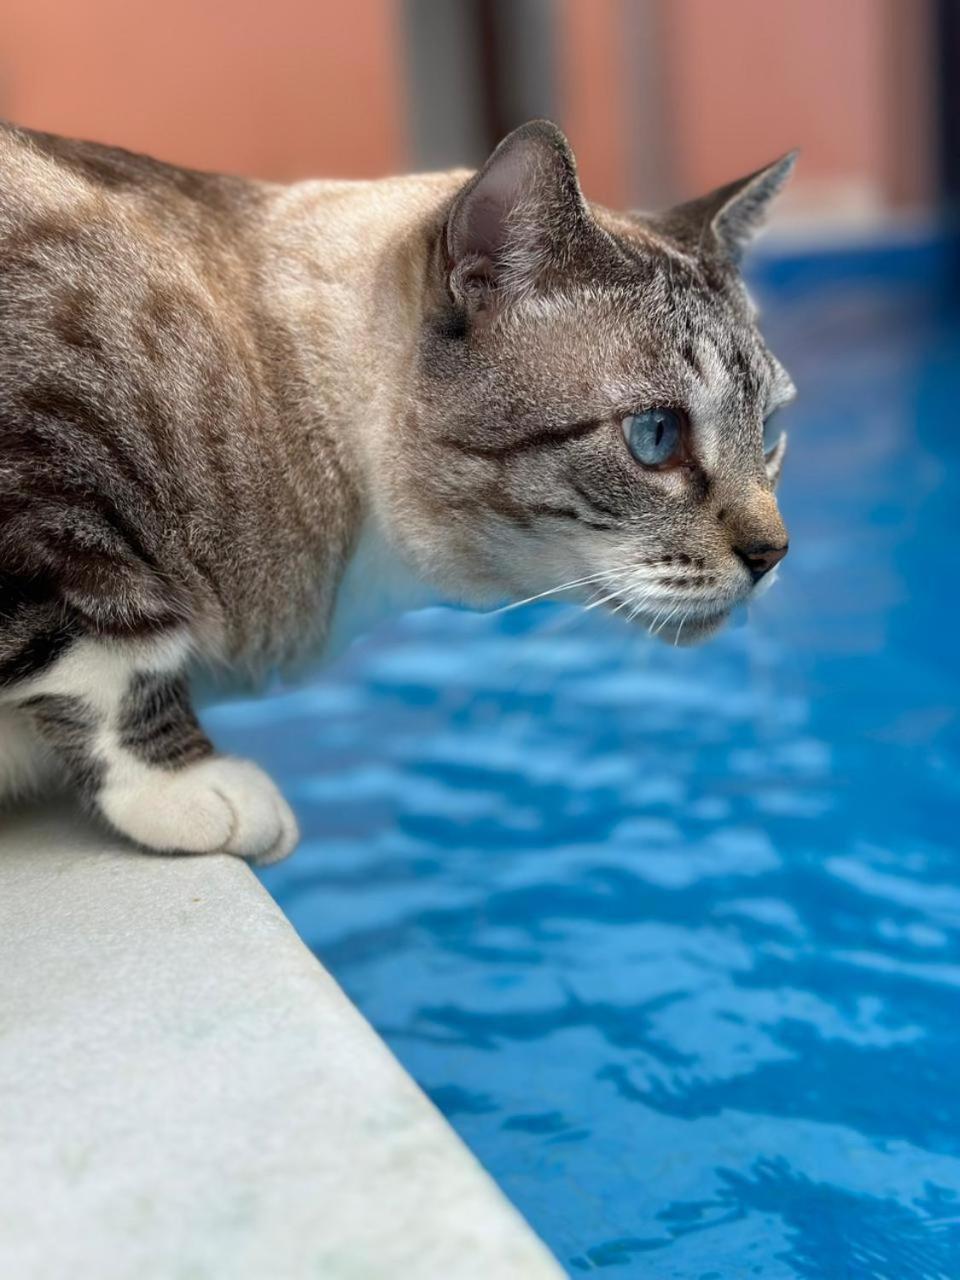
{"points": [[34, 631], [592, 500], [536, 440], [157, 724], [520, 513], [68, 725], [689, 354], [567, 513], [38, 653]]}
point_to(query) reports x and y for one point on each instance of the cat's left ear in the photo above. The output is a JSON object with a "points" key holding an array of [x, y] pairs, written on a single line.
{"points": [[729, 217], [516, 221]]}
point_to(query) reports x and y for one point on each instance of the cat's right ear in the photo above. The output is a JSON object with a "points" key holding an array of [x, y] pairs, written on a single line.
{"points": [[728, 218], [514, 223]]}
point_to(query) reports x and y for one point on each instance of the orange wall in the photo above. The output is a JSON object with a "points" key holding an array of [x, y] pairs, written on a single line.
{"points": [[661, 98], [594, 104], [278, 88], [667, 98], [751, 79]]}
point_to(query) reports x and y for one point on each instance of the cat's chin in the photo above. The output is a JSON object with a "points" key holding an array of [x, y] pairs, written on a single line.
{"points": [[690, 631]]}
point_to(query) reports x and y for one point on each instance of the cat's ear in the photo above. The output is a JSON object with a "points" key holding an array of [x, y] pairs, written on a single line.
{"points": [[516, 221], [729, 217]]}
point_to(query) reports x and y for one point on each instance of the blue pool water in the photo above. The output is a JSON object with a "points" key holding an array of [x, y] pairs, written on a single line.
{"points": [[673, 936]]}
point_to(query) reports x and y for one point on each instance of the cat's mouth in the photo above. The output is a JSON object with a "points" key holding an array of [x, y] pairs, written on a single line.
{"points": [[676, 626], [691, 631]]}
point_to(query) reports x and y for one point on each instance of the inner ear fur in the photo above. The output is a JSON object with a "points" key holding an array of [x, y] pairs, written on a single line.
{"points": [[516, 220]]}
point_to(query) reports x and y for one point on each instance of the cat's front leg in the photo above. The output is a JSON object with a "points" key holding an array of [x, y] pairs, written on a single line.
{"points": [[120, 719], [27, 766]]}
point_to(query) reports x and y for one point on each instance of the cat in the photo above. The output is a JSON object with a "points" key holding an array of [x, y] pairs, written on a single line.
{"points": [[232, 411]]}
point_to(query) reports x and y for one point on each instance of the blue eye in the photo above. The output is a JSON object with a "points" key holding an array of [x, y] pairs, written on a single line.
{"points": [[654, 436]]}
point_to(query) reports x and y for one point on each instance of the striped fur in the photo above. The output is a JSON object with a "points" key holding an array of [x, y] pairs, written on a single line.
{"points": [[210, 388], [156, 722]]}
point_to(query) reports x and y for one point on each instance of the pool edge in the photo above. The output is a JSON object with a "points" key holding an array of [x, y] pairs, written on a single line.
{"points": [[187, 1091]]}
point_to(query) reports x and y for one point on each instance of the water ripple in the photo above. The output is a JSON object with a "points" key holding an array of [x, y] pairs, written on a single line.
{"points": [[672, 936]]}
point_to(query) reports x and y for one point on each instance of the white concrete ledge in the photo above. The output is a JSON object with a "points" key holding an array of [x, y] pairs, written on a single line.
{"points": [[184, 1092]]}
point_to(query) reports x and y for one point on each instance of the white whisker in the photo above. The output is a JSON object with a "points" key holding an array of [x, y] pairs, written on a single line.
{"points": [[606, 600], [671, 614], [564, 586]]}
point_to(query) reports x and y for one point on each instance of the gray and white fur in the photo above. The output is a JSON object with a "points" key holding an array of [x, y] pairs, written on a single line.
{"points": [[233, 413]]}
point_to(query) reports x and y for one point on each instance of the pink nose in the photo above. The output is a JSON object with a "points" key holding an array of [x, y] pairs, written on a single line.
{"points": [[760, 559]]}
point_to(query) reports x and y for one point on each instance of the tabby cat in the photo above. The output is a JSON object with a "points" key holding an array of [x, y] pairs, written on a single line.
{"points": [[235, 414]]}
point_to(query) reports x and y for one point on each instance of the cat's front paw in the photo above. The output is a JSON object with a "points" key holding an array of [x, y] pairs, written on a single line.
{"points": [[219, 805]]}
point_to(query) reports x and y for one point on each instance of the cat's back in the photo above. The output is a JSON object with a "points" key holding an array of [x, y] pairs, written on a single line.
{"points": [[75, 213], [46, 171], [128, 377], [92, 229]]}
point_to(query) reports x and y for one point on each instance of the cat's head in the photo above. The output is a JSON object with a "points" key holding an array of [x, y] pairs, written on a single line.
{"points": [[591, 399]]}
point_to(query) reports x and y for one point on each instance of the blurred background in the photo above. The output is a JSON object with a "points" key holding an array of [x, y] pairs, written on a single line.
{"points": [[661, 98]]}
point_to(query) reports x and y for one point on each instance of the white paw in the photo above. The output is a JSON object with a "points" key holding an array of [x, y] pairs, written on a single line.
{"points": [[220, 805]]}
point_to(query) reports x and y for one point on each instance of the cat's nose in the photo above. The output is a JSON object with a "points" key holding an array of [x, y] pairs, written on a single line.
{"points": [[761, 558]]}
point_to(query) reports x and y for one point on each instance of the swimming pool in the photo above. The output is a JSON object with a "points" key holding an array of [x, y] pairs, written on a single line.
{"points": [[673, 936]]}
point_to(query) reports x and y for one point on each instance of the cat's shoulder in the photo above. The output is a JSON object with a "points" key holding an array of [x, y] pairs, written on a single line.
{"points": [[37, 165]]}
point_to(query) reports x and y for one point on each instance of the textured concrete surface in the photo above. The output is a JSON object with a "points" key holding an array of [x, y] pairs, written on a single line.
{"points": [[185, 1092]]}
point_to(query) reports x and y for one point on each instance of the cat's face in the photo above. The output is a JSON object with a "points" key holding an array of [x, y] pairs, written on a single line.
{"points": [[592, 401]]}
